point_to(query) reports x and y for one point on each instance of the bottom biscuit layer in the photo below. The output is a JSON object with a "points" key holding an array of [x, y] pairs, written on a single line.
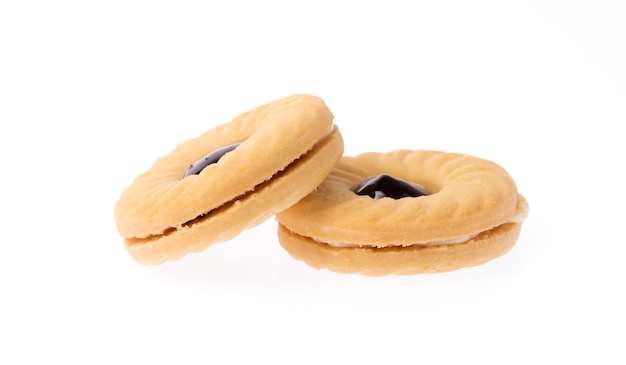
{"points": [[224, 223], [401, 260]]}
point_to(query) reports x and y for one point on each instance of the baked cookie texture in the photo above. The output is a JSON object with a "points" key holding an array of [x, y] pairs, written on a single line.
{"points": [[287, 147], [473, 214]]}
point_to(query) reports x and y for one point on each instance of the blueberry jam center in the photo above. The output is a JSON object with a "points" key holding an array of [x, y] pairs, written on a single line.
{"points": [[386, 186], [196, 167]]}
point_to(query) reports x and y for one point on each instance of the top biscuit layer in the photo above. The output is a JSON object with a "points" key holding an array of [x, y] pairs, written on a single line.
{"points": [[468, 195], [272, 135]]}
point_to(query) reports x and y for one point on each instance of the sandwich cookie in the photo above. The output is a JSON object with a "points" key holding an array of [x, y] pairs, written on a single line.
{"points": [[232, 177], [405, 212]]}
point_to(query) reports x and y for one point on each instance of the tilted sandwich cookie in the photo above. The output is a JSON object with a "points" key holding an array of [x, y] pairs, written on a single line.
{"points": [[232, 177], [405, 212]]}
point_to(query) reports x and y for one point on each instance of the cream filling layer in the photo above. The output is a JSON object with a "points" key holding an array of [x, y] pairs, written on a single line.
{"points": [[519, 217], [452, 241]]}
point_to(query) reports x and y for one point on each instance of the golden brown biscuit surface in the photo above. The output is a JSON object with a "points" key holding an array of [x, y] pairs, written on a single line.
{"points": [[469, 197], [287, 144]]}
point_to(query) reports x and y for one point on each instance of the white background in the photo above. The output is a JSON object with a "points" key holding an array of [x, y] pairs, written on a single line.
{"points": [[91, 93]]}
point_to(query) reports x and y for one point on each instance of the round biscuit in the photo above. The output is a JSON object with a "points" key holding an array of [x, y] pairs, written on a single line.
{"points": [[286, 149]]}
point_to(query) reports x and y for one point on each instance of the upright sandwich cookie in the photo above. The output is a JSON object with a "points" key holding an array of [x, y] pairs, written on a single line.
{"points": [[232, 177], [405, 212]]}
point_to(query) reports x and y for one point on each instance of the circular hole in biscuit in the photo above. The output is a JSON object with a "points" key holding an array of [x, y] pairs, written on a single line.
{"points": [[211, 158], [387, 186]]}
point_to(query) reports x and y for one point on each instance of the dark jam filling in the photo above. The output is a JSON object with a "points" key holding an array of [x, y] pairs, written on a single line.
{"points": [[385, 186], [196, 167]]}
